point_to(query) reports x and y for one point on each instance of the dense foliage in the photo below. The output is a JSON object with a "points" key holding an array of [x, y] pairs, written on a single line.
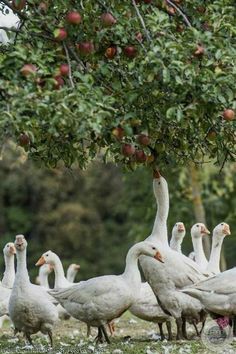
{"points": [[161, 68]]}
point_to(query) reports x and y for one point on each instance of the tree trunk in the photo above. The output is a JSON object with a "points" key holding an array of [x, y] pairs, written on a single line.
{"points": [[198, 206]]}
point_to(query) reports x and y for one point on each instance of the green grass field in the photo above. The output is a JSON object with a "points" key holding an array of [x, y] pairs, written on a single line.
{"points": [[132, 336]]}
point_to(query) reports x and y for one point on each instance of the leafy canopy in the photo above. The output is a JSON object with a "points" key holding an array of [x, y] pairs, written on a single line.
{"points": [[163, 68]]}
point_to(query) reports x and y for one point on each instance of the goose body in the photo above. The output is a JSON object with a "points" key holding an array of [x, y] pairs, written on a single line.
{"points": [[30, 307], [99, 300]]}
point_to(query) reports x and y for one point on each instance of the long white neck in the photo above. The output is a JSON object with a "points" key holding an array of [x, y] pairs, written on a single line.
{"points": [[70, 276], [9, 274], [175, 244], [200, 257], [159, 231], [214, 261], [43, 279], [22, 275], [131, 272], [60, 279]]}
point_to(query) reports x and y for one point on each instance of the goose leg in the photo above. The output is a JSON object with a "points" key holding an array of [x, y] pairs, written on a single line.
{"points": [[104, 332], [99, 338], [28, 337], [168, 326], [111, 327], [203, 324], [50, 338], [179, 329], [184, 329], [234, 326], [196, 329], [88, 330], [160, 325]]}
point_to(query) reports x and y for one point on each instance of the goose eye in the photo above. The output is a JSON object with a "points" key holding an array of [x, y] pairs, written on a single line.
{"points": [[153, 248], [159, 183], [197, 225], [7, 245], [46, 255], [222, 224]]}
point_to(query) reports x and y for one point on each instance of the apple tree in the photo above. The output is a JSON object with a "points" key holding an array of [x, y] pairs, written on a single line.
{"points": [[136, 81]]}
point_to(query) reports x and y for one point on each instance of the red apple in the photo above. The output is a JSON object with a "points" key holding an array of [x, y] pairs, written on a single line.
{"points": [[140, 156], [28, 69], [59, 82], [108, 19], [73, 17], [143, 139], [85, 48], [118, 132], [130, 51], [228, 114], [147, 1], [18, 4], [24, 139], [128, 150], [64, 69], [199, 51], [110, 52], [60, 34]]}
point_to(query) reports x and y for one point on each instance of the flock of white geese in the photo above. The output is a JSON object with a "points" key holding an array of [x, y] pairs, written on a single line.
{"points": [[176, 286]]}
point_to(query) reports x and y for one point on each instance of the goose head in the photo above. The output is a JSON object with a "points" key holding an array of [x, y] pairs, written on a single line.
{"points": [[45, 269], [73, 268], [160, 185], [9, 249], [178, 231], [20, 243], [149, 249], [48, 257], [198, 230], [221, 230]]}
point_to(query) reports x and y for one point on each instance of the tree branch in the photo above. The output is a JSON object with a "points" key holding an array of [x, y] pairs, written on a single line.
{"points": [[142, 21], [76, 58], [177, 8], [18, 12], [69, 64]]}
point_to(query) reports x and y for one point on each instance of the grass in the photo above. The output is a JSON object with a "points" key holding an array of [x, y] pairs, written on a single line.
{"points": [[132, 336]]}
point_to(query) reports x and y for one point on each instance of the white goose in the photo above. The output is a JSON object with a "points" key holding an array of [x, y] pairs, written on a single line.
{"points": [[177, 271], [30, 307], [99, 300], [52, 259], [198, 231], [8, 277], [219, 233], [42, 278], [146, 307], [178, 233], [72, 271]]}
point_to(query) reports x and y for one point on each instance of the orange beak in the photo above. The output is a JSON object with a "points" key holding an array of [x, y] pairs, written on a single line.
{"points": [[12, 250], [40, 262], [204, 230], [226, 230], [156, 174], [158, 256]]}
